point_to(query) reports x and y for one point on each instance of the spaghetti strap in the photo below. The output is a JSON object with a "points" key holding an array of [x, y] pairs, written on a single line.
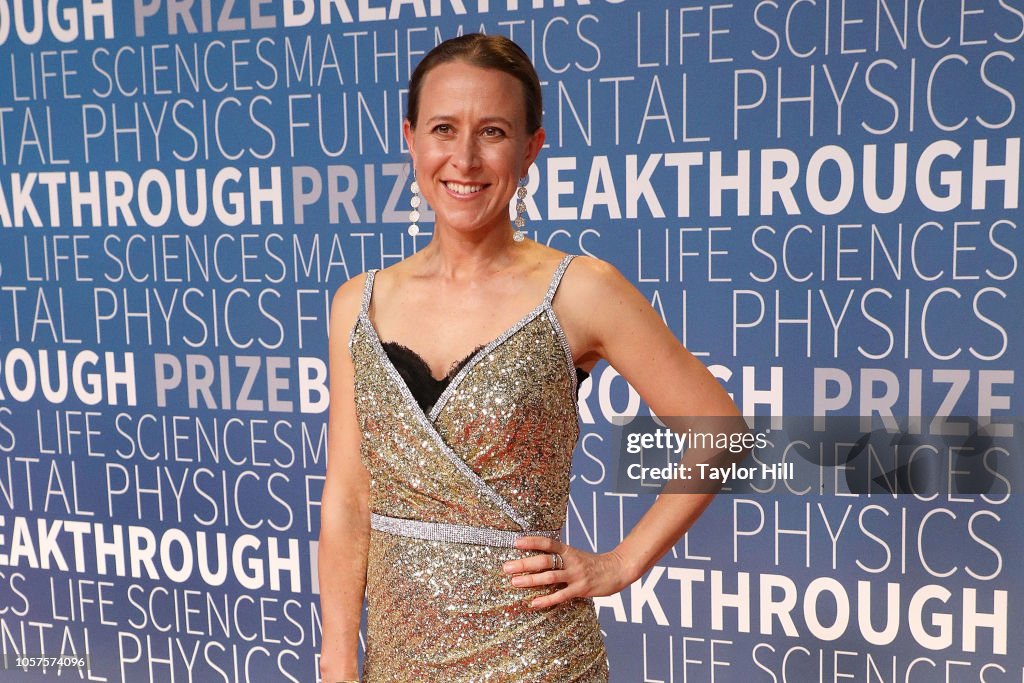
{"points": [[364, 309], [364, 306], [557, 278]]}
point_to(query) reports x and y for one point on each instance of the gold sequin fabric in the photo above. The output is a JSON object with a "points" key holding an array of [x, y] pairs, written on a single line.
{"points": [[495, 452]]}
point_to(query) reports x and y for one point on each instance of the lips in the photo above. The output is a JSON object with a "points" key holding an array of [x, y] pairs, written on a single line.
{"points": [[463, 189]]}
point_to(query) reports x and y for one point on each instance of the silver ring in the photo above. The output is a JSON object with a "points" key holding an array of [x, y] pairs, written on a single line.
{"points": [[557, 561]]}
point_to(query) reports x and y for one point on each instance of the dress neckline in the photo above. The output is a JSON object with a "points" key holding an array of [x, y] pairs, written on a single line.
{"points": [[426, 388], [415, 372], [474, 358], [482, 351], [549, 294], [425, 366]]}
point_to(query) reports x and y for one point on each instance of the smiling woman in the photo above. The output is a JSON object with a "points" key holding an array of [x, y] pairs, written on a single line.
{"points": [[450, 445], [469, 159]]}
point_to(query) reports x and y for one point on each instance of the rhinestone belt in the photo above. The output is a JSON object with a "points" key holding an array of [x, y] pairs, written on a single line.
{"points": [[452, 533]]}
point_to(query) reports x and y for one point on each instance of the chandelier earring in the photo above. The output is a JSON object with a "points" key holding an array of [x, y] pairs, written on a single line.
{"points": [[414, 215], [517, 234]]}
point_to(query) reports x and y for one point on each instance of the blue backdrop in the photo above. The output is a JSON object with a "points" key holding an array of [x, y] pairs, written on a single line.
{"points": [[820, 197]]}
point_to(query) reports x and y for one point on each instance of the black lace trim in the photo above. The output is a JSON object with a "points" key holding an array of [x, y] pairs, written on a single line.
{"points": [[425, 388], [415, 372]]}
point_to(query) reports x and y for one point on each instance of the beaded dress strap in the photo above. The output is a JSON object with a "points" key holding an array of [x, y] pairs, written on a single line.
{"points": [[559, 332], [557, 278], [364, 308]]}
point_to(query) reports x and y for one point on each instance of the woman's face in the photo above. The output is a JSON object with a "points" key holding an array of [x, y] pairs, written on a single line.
{"points": [[470, 145]]}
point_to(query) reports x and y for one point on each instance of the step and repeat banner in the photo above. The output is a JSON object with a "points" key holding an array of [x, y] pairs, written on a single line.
{"points": [[821, 198]]}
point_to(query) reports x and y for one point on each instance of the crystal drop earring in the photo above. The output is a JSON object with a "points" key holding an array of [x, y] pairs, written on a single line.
{"points": [[414, 215], [517, 234]]}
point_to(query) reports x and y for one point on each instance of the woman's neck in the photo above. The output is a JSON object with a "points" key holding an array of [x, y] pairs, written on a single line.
{"points": [[457, 256]]}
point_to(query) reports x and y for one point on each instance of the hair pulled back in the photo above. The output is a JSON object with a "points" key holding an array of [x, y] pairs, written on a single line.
{"points": [[487, 52]]}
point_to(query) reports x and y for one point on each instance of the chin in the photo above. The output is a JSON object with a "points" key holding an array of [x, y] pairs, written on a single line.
{"points": [[465, 223]]}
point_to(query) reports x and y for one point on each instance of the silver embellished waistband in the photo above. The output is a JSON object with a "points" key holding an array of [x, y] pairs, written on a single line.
{"points": [[452, 533]]}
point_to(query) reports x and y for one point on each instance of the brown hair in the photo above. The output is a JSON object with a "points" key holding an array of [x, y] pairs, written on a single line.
{"points": [[486, 52]]}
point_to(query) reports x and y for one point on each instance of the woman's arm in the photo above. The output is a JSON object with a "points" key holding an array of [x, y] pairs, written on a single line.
{"points": [[344, 511], [610, 319]]}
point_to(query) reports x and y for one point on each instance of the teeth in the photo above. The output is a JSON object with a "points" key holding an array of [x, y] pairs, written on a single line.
{"points": [[463, 189]]}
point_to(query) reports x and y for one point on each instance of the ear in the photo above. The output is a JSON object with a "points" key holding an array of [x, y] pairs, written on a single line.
{"points": [[533, 147], [409, 134]]}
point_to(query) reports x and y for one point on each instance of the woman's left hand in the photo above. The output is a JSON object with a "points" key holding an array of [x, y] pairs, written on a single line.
{"points": [[585, 574]]}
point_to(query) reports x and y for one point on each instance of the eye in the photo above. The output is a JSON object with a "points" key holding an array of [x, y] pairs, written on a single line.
{"points": [[493, 132], [443, 129]]}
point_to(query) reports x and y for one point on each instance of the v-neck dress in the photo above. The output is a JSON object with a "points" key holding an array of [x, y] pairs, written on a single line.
{"points": [[426, 388], [451, 488]]}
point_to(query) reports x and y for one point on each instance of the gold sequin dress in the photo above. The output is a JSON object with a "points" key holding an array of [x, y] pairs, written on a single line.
{"points": [[451, 489]]}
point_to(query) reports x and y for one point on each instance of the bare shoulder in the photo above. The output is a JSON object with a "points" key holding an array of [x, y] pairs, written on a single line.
{"points": [[594, 302], [593, 283], [391, 278], [345, 305]]}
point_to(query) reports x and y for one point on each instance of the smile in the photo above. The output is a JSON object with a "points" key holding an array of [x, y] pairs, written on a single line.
{"points": [[461, 189]]}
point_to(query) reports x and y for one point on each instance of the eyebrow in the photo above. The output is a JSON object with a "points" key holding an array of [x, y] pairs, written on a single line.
{"points": [[485, 120]]}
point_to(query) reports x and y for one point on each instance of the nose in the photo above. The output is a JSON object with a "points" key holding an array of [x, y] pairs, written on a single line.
{"points": [[466, 154]]}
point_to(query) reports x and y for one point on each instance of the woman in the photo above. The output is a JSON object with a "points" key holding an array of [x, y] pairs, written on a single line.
{"points": [[444, 497]]}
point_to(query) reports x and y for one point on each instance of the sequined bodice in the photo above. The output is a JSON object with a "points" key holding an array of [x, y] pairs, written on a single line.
{"points": [[503, 429], [452, 480]]}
